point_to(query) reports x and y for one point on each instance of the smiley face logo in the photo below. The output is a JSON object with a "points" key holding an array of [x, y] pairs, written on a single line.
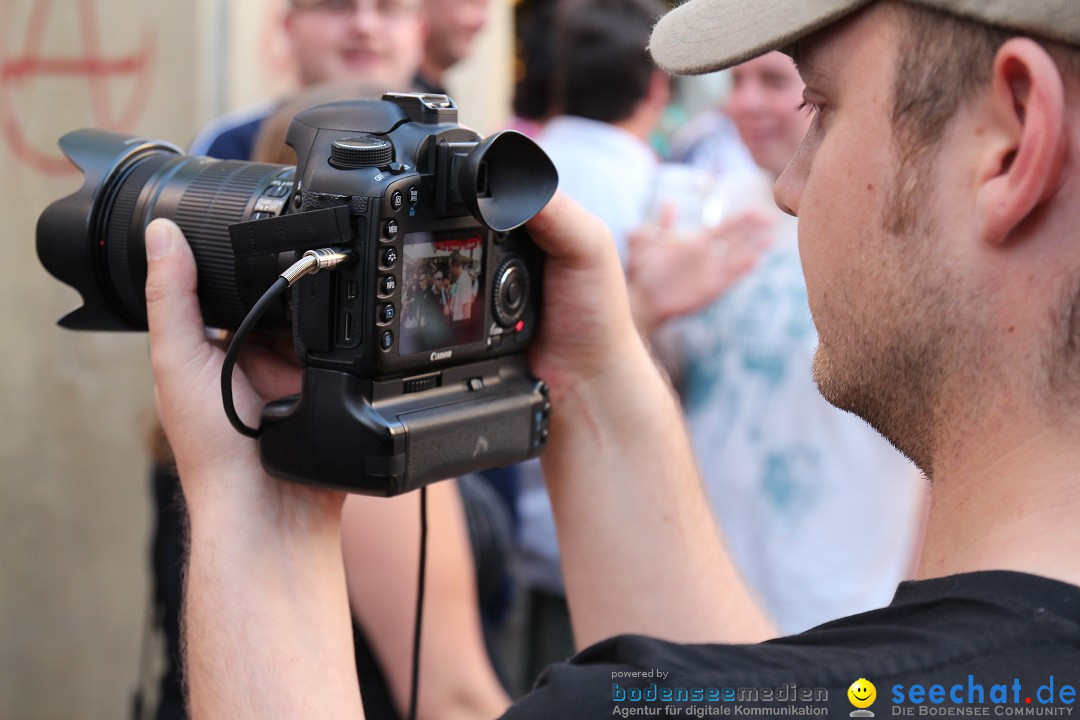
{"points": [[862, 693]]}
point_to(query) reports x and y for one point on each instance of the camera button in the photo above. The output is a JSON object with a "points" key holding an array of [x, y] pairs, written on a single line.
{"points": [[387, 313], [397, 200], [475, 384], [389, 257], [386, 340], [389, 284], [390, 230], [414, 195]]}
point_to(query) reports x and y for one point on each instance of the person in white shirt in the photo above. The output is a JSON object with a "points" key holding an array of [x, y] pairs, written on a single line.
{"points": [[461, 290]]}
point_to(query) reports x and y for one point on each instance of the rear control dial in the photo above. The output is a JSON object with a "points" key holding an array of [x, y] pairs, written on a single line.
{"points": [[510, 292]]}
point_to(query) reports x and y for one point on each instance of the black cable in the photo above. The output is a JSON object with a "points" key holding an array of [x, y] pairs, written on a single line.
{"points": [[279, 286], [415, 688]]}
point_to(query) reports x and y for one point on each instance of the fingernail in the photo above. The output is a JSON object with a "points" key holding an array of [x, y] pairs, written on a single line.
{"points": [[157, 240]]}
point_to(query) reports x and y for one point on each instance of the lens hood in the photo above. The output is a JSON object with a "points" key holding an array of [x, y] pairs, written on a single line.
{"points": [[70, 239]]}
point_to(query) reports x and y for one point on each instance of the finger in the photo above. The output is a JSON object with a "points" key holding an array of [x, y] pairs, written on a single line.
{"points": [[746, 221], [283, 346], [172, 308], [272, 375], [668, 214], [567, 232]]}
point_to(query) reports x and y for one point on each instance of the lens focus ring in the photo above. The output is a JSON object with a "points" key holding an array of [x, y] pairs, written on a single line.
{"points": [[125, 258]]}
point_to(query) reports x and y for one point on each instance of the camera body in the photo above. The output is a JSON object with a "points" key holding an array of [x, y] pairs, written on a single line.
{"points": [[413, 353]]}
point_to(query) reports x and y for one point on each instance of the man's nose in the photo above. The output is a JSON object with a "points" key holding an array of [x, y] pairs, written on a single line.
{"points": [[787, 190], [789, 187]]}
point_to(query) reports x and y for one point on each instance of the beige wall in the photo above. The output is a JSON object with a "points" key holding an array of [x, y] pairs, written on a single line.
{"points": [[74, 496], [73, 484]]}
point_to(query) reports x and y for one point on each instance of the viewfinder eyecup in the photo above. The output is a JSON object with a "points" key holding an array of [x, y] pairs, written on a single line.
{"points": [[505, 180]]}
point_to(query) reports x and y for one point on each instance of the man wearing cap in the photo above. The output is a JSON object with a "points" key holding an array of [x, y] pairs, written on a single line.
{"points": [[937, 228]]}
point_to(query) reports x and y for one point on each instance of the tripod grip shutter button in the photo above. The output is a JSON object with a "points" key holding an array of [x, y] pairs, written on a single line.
{"points": [[361, 151]]}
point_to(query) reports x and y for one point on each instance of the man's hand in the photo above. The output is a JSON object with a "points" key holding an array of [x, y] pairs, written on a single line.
{"points": [[585, 323], [187, 366], [670, 276], [640, 552], [187, 370], [267, 625]]}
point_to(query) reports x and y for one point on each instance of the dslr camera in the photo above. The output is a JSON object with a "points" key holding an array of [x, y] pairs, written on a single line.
{"points": [[412, 350]]}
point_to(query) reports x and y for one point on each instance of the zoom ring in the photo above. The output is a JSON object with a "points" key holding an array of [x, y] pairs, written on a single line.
{"points": [[219, 196]]}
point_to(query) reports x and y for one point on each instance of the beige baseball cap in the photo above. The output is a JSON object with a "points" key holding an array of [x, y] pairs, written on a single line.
{"points": [[702, 36]]}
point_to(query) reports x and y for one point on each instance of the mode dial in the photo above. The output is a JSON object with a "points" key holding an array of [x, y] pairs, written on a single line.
{"points": [[361, 151]]}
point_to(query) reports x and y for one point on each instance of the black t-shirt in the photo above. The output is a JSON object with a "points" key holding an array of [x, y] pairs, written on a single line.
{"points": [[986, 644]]}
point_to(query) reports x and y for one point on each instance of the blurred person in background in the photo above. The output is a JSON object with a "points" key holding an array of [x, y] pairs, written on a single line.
{"points": [[377, 42], [531, 102], [453, 28], [606, 96], [708, 139], [821, 514]]}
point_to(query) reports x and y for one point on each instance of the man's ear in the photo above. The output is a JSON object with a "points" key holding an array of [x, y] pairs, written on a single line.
{"points": [[1024, 166]]}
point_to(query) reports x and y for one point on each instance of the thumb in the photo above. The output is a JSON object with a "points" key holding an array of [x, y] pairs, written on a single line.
{"points": [[571, 235], [172, 308]]}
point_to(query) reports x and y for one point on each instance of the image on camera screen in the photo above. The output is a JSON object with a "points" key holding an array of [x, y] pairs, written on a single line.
{"points": [[443, 283]]}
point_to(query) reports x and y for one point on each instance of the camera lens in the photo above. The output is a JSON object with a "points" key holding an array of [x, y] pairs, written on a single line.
{"points": [[93, 240], [511, 291]]}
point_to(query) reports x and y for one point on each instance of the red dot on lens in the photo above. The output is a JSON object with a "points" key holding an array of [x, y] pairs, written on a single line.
{"points": [[520, 325]]}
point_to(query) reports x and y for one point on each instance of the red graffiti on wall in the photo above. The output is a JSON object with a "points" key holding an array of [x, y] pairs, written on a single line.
{"points": [[91, 68]]}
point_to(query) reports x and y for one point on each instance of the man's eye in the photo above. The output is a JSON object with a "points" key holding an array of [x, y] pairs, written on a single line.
{"points": [[808, 107]]}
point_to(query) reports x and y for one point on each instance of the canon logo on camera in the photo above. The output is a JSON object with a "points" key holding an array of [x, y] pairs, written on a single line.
{"points": [[442, 355]]}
